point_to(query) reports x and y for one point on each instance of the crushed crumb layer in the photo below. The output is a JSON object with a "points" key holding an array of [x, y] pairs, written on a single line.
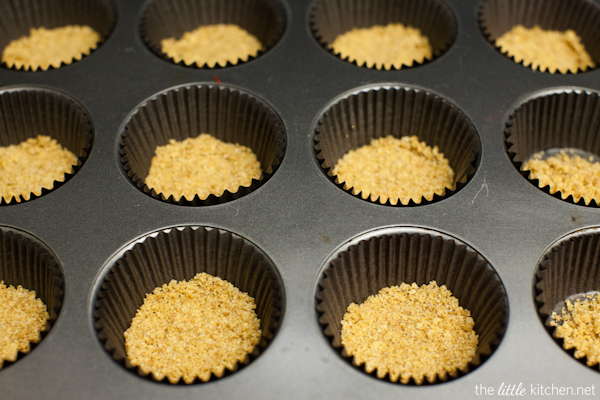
{"points": [[578, 325], [201, 166], [546, 49], [409, 331], [22, 318], [396, 170], [388, 46], [50, 47], [32, 165], [212, 45], [568, 173], [190, 329]]}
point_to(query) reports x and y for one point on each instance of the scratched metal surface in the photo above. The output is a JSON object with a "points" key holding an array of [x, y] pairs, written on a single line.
{"points": [[298, 218]]}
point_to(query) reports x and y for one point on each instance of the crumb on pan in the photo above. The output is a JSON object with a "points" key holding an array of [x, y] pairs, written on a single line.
{"points": [[22, 318], [192, 329], [578, 325], [568, 173], [31, 165], [409, 331], [212, 45], [392, 45], [50, 47], [201, 166], [395, 169], [546, 49]]}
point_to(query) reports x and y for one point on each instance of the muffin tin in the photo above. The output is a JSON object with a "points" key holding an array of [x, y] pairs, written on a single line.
{"points": [[295, 219]]}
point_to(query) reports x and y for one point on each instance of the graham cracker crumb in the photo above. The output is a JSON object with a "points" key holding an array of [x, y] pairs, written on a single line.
{"points": [[570, 174], [31, 165], [579, 326], [50, 47], [212, 45], [201, 166], [546, 49], [409, 331], [192, 329], [22, 319], [395, 169], [388, 46]]}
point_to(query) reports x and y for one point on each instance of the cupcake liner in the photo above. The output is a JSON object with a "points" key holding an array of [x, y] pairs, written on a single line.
{"points": [[567, 271], [18, 17], [331, 18], [162, 19], [414, 257], [181, 253], [355, 120], [25, 261], [185, 112], [496, 17], [28, 112], [554, 121]]}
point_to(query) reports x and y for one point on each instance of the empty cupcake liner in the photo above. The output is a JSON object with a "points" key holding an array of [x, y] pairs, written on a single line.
{"points": [[181, 253], [184, 112], [31, 111], [26, 261], [354, 120], [568, 270], [549, 122], [162, 19], [18, 17], [414, 256], [496, 17], [331, 18]]}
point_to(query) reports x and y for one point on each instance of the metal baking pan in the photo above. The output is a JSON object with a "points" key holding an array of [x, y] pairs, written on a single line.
{"points": [[298, 219]]}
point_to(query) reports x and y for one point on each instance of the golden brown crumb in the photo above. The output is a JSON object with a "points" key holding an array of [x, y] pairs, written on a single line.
{"points": [[201, 166], [383, 46], [579, 326], [31, 165], [50, 47], [190, 329], [22, 318], [391, 168], [546, 49], [212, 45], [410, 332], [569, 174]]}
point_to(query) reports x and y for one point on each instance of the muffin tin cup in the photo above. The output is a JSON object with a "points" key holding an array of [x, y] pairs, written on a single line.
{"points": [[31, 111], [181, 253], [414, 256], [162, 19], [356, 119], [568, 120], [26, 262], [331, 18], [496, 17], [18, 17], [184, 112], [567, 271]]}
